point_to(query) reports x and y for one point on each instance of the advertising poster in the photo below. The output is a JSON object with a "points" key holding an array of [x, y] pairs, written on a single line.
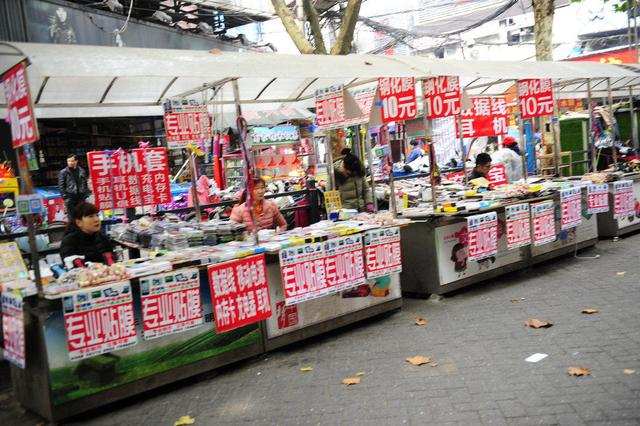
{"points": [[398, 98], [483, 235], [544, 222], [240, 292], [518, 225], [488, 117], [623, 199], [570, 208], [633, 217], [441, 96], [20, 116], [535, 97], [330, 112], [13, 328], [171, 303], [598, 198], [189, 125], [382, 252]]}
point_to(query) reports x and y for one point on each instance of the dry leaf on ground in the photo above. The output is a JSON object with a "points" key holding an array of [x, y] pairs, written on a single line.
{"points": [[578, 371], [418, 360], [629, 371], [590, 311], [620, 274], [361, 373], [305, 369], [351, 381], [433, 364], [421, 321], [518, 299], [534, 323], [184, 420]]}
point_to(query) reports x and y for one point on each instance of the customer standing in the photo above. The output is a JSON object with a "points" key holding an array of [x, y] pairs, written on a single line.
{"points": [[352, 183], [73, 185]]}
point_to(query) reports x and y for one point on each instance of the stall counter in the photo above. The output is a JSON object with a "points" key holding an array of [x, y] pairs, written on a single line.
{"points": [[610, 227]]}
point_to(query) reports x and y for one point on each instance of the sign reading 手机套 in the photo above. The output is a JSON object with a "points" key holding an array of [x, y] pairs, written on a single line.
{"points": [[518, 225], [483, 235], [382, 252], [20, 116], [544, 223]]}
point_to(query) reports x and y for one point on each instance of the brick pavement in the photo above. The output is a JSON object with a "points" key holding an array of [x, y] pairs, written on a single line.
{"points": [[479, 341]]}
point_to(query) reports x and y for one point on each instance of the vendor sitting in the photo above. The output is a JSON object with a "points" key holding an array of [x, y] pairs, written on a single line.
{"points": [[483, 164], [84, 238], [266, 213]]}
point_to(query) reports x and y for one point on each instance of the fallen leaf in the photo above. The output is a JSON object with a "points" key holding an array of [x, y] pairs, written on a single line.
{"points": [[433, 364], [421, 321], [534, 323], [361, 373], [305, 369], [590, 311], [367, 63], [418, 360], [215, 51], [518, 299], [578, 371], [629, 371], [184, 420], [351, 381], [620, 274]]}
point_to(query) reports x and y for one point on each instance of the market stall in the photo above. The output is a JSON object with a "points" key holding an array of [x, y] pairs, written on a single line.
{"points": [[624, 217]]}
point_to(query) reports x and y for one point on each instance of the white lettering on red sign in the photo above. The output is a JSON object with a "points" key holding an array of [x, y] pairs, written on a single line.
{"points": [[488, 117], [13, 328], [187, 127], [483, 235], [330, 107], [497, 175], [535, 97], [623, 199], [544, 223], [598, 198], [398, 98], [382, 252], [441, 96], [19, 111], [570, 207], [518, 224]]}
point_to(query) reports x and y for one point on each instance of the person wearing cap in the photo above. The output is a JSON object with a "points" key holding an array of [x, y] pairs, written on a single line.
{"points": [[509, 157]]}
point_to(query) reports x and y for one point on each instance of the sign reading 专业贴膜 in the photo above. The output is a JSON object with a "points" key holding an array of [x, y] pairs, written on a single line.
{"points": [[518, 223], [483, 235], [570, 207], [13, 328], [382, 252], [544, 223]]}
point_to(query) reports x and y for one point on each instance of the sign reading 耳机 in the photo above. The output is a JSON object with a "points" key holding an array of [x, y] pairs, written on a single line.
{"points": [[488, 117], [398, 98], [535, 97], [441, 96], [19, 110], [483, 235]]}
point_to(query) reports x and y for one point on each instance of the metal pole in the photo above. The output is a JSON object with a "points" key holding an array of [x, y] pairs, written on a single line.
{"points": [[592, 145], [523, 145], [194, 189], [612, 125], [634, 121], [462, 156], [330, 176], [367, 147], [392, 187]]}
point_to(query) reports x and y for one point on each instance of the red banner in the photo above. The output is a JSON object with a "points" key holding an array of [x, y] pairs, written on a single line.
{"points": [[239, 292], [382, 251], [186, 127], [13, 328], [518, 225], [623, 199], [441, 96], [123, 179], [571, 104], [483, 235], [330, 107], [317, 269], [535, 97], [488, 117], [170, 303], [455, 177], [570, 207], [99, 320], [497, 175], [24, 129], [398, 98], [598, 198], [544, 223]]}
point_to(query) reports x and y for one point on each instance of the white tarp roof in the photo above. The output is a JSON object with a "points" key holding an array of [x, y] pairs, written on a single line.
{"points": [[76, 81]]}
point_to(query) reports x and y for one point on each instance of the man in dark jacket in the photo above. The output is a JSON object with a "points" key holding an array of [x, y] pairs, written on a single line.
{"points": [[73, 185]]}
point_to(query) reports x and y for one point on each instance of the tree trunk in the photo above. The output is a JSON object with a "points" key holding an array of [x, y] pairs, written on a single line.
{"points": [[289, 22], [314, 22], [347, 28], [543, 15]]}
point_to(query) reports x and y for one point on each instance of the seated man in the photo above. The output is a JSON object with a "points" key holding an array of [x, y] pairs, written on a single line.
{"points": [[483, 164]]}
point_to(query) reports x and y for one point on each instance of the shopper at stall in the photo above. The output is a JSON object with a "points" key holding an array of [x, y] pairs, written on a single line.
{"points": [[416, 152], [483, 164], [509, 157], [266, 213], [84, 237], [352, 183], [73, 185]]}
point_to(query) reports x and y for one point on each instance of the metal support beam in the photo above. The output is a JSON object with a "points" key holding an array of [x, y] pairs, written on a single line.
{"points": [[612, 125], [592, 145]]}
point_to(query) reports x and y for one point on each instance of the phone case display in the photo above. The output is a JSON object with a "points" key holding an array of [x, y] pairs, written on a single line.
{"points": [[232, 172]]}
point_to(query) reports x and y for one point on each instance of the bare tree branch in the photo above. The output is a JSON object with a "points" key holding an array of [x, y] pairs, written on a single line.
{"points": [[316, 31], [289, 22], [347, 28]]}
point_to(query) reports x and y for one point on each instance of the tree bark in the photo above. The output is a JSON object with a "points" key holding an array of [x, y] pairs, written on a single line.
{"points": [[314, 22], [289, 22], [347, 28], [543, 27]]}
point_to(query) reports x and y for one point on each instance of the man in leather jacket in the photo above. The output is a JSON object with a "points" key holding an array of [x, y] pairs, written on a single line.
{"points": [[73, 185]]}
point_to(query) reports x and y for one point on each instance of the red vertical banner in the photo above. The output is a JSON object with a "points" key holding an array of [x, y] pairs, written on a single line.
{"points": [[155, 172], [13, 328], [239, 292], [488, 117], [382, 252], [24, 129], [623, 199], [518, 225], [544, 223], [483, 235], [497, 175], [570, 207], [330, 112], [598, 198], [398, 98], [441, 96], [535, 97]]}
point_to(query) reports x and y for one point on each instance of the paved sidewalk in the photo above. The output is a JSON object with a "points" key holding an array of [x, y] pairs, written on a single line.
{"points": [[479, 341]]}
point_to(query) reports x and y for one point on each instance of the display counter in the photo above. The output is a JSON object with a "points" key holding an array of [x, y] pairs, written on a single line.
{"points": [[609, 226]]}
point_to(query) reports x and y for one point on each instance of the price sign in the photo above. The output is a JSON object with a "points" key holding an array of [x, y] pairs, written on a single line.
{"points": [[330, 112], [544, 223], [382, 251], [488, 117], [398, 98], [623, 200], [13, 328], [518, 225], [24, 129], [441, 96], [535, 97], [598, 198], [483, 235], [570, 207]]}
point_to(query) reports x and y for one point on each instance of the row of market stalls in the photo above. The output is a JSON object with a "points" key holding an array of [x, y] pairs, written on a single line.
{"points": [[99, 334]]}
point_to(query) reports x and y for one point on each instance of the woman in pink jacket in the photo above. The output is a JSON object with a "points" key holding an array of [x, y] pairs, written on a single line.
{"points": [[266, 213]]}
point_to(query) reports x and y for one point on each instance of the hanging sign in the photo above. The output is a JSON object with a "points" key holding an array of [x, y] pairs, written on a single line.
{"points": [[441, 96], [99, 320], [483, 235], [239, 292], [570, 207], [170, 303], [518, 225], [488, 117], [497, 175], [13, 328], [364, 99], [382, 252], [24, 129], [544, 223], [623, 200], [189, 125], [535, 97], [398, 98], [29, 204], [122, 179], [274, 135], [330, 112], [598, 198]]}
